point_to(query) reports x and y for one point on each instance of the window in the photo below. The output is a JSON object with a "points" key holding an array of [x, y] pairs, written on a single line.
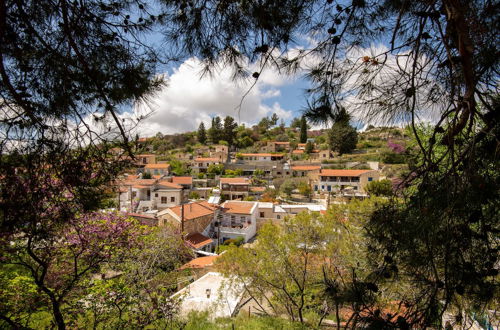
{"points": [[315, 187], [164, 200], [156, 195], [172, 199], [278, 217], [370, 178], [329, 188], [261, 214], [233, 217], [322, 187], [242, 218]]}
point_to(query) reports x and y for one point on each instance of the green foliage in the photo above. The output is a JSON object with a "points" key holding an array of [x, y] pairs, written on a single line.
{"points": [[309, 147], [233, 173], [178, 168], [342, 138], [146, 175], [216, 169], [245, 142], [230, 126], [216, 131], [201, 321], [259, 173], [389, 157], [287, 187], [303, 129], [304, 189], [202, 134], [380, 188], [194, 195]]}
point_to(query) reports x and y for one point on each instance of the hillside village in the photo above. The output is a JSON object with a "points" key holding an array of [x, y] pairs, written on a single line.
{"points": [[217, 194]]}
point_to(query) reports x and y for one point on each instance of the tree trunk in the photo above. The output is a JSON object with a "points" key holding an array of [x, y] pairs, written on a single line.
{"points": [[58, 317]]}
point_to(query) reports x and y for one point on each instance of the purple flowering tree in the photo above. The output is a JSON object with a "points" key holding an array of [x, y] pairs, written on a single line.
{"points": [[396, 147]]}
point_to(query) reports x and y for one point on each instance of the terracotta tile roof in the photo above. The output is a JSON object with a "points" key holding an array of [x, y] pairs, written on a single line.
{"points": [[157, 166], [306, 168], [238, 207], [207, 159], [182, 179], [258, 189], [140, 182], [298, 151], [138, 215], [234, 181], [138, 186], [262, 155], [197, 240], [343, 172], [301, 144], [201, 262], [168, 184], [194, 210], [145, 219], [280, 142]]}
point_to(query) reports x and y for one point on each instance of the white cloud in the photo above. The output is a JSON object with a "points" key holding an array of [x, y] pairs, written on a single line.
{"points": [[189, 99]]}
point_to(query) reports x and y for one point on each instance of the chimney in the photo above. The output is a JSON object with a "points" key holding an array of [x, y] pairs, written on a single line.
{"points": [[207, 291]]}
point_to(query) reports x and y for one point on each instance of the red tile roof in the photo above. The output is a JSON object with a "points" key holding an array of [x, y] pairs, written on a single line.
{"points": [[197, 240], [306, 168], [209, 159], [194, 210], [182, 179], [298, 151], [258, 189], [238, 207], [201, 262], [343, 172], [168, 184], [234, 181], [157, 166]]}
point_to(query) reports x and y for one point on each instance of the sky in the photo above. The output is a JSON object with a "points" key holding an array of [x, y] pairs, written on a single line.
{"points": [[189, 99]]}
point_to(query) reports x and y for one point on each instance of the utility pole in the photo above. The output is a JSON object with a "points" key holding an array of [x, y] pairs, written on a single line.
{"points": [[182, 214]]}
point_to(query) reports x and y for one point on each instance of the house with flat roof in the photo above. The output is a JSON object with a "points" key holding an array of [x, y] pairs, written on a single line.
{"points": [[237, 219], [234, 188], [214, 293], [262, 157], [340, 180]]}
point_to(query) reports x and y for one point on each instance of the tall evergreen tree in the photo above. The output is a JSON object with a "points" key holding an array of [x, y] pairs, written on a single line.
{"points": [[303, 130], [342, 136], [202, 133], [274, 119], [229, 130], [215, 133]]}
